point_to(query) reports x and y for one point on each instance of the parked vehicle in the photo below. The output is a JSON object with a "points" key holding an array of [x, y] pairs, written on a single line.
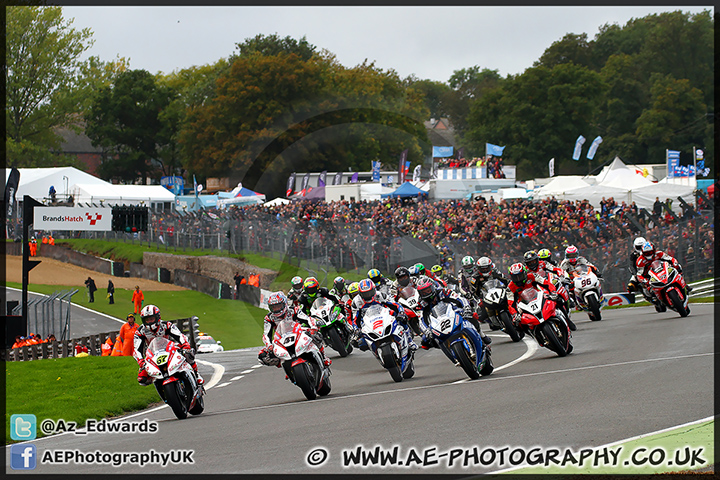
{"points": [[459, 340], [174, 378], [301, 359]]}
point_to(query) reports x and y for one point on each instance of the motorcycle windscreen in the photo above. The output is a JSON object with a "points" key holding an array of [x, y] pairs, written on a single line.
{"points": [[529, 295], [492, 283], [284, 327], [582, 270], [158, 344], [408, 292], [441, 317]]}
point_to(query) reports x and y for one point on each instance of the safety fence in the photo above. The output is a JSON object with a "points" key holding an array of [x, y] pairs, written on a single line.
{"points": [[49, 315], [93, 343]]}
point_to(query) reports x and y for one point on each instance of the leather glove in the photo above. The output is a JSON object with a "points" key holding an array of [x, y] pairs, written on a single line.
{"points": [[141, 363], [189, 355], [552, 296], [312, 331]]}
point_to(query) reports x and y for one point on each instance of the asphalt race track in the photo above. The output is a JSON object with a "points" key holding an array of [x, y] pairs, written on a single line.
{"points": [[634, 372]]}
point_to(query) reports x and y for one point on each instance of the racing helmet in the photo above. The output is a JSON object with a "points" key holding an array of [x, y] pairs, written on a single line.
{"points": [[485, 266], [544, 254], [413, 271], [277, 303], [638, 244], [648, 250], [437, 270], [420, 268], [297, 284], [339, 284], [402, 275], [468, 265], [571, 254], [150, 315], [518, 273], [426, 289], [366, 288], [311, 286], [353, 289], [375, 275], [531, 259]]}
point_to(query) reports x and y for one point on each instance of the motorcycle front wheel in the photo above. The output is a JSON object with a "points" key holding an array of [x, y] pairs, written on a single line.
{"points": [[594, 307], [390, 362], [336, 342], [302, 380], [554, 342], [175, 399], [674, 297], [510, 329], [463, 357]]}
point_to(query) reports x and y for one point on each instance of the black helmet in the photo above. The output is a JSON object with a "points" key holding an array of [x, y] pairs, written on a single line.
{"points": [[531, 259], [339, 284], [402, 275]]}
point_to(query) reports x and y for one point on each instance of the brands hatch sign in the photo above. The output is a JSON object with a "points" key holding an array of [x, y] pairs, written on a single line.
{"points": [[73, 218]]}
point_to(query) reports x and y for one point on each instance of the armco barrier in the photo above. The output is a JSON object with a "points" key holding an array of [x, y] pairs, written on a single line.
{"points": [[200, 283], [65, 255]]}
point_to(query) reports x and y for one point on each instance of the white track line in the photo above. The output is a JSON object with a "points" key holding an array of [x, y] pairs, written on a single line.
{"points": [[631, 439], [75, 305], [532, 347]]}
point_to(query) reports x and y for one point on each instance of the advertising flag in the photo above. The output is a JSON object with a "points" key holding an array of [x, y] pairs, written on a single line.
{"points": [[401, 166], [354, 178], [337, 180], [593, 147], [322, 178], [673, 162], [375, 171], [290, 185], [407, 168], [493, 150], [305, 181], [578, 147], [551, 166], [442, 152], [11, 190], [416, 173], [195, 186]]}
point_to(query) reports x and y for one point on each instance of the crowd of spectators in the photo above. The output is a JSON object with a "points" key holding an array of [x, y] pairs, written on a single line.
{"points": [[31, 339], [494, 164], [356, 234]]}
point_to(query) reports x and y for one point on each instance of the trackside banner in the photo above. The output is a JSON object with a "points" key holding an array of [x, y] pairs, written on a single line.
{"points": [[73, 218]]}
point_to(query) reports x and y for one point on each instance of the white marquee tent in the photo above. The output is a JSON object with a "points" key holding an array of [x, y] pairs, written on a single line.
{"points": [[36, 182], [109, 194], [559, 185]]}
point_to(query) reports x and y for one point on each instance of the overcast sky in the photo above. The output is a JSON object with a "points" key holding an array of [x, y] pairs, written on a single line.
{"points": [[429, 42]]}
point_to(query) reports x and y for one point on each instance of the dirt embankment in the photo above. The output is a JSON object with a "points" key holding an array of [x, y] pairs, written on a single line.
{"points": [[54, 272]]}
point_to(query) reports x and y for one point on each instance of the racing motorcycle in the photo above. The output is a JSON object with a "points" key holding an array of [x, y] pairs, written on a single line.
{"points": [[301, 359], [459, 340], [388, 341], [587, 291], [495, 302], [331, 323], [635, 285], [174, 378], [669, 285], [546, 323], [409, 298]]}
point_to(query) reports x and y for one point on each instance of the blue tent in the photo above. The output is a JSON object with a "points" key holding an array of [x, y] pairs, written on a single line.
{"points": [[405, 190]]}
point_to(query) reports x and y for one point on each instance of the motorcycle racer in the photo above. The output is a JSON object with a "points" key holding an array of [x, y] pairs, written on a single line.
{"points": [[573, 259], [279, 311], [545, 256], [536, 267], [521, 279], [649, 255], [152, 328], [311, 291], [295, 291], [370, 296]]}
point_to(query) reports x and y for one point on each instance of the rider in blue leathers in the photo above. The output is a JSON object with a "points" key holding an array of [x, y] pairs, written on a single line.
{"points": [[368, 294]]}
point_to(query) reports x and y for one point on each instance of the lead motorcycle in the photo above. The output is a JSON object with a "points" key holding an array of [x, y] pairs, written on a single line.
{"points": [[301, 359], [332, 325], [587, 291], [495, 302], [544, 321], [174, 378], [389, 342], [668, 285], [459, 340]]}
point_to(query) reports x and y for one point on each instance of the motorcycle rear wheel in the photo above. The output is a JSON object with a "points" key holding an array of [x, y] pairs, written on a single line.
{"points": [[462, 356], [554, 342], [594, 307], [390, 363], [302, 380], [510, 329], [175, 399]]}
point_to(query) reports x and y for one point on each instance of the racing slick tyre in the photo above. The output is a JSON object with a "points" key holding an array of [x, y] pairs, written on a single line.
{"points": [[463, 357]]}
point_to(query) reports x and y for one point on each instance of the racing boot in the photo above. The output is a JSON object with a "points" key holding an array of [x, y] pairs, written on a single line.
{"points": [[326, 361], [200, 379]]}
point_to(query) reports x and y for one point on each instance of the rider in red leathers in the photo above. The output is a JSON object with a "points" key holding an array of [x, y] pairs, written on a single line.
{"points": [[649, 255], [521, 279], [536, 266], [279, 311], [152, 328]]}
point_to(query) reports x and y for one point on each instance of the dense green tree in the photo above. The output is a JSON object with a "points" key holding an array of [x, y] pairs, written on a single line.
{"points": [[126, 119], [436, 95], [467, 86], [46, 83], [271, 45]]}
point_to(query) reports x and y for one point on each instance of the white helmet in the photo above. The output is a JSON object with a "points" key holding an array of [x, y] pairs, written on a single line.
{"points": [[150, 315], [638, 243]]}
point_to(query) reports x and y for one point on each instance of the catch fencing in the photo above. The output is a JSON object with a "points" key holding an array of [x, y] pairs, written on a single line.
{"points": [[49, 315]]}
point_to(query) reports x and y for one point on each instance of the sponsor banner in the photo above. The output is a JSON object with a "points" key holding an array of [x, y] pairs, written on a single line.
{"points": [[613, 299], [264, 295], [73, 218], [442, 152]]}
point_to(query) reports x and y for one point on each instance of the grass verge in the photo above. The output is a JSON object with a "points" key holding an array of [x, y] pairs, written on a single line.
{"points": [[80, 388], [237, 324]]}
